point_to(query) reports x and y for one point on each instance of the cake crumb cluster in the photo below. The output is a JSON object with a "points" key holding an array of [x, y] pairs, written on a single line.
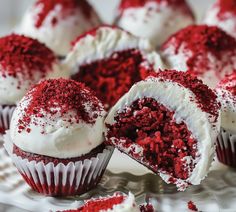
{"points": [[20, 55], [60, 96]]}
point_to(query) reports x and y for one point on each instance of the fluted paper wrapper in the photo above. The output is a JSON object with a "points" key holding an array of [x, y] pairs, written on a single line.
{"points": [[226, 148], [5, 117], [74, 178]]}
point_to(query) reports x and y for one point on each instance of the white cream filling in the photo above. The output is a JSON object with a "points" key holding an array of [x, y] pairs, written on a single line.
{"points": [[154, 21], [103, 44], [58, 37], [215, 69], [181, 100], [60, 138], [228, 24], [228, 110], [10, 93]]}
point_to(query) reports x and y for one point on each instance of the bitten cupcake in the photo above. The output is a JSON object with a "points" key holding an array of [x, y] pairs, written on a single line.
{"points": [[110, 60], [168, 123], [154, 19], [23, 62], [116, 203], [223, 14], [55, 138], [205, 51], [226, 145], [58, 22]]}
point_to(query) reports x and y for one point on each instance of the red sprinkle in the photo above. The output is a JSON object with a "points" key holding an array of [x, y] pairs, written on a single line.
{"points": [[111, 78], [68, 8], [206, 98], [165, 143], [60, 97], [229, 83], [192, 206], [199, 40], [21, 57], [101, 204], [225, 7]]}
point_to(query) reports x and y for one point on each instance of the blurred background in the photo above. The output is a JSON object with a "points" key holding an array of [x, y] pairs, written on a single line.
{"points": [[11, 11]]}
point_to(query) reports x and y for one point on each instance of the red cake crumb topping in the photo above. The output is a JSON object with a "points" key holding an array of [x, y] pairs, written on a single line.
{"points": [[20, 55], [192, 206], [229, 83], [205, 97], [60, 97], [200, 40], [97, 205], [225, 7], [153, 127], [111, 78], [68, 7], [146, 208]]}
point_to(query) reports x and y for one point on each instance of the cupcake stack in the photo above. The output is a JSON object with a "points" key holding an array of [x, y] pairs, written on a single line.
{"points": [[73, 89]]}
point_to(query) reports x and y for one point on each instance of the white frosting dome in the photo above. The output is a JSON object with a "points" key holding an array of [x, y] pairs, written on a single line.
{"points": [[55, 133], [102, 42], [60, 26], [182, 101], [155, 21], [22, 65]]}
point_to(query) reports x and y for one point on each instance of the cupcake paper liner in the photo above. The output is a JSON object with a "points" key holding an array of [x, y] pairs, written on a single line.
{"points": [[5, 117], [226, 148], [75, 178]]}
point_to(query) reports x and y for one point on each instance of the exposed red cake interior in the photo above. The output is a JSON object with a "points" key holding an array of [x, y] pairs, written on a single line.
{"points": [[46, 159], [204, 96], [192, 206], [23, 55], [225, 7], [101, 204], [111, 78], [229, 83], [67, 8], [60, 96], [201, 40], [153, 127]]}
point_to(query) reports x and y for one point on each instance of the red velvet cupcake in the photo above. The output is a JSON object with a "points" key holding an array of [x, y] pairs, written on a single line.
{"points": [[205, 51], [58, 22], [116, 203], [168, 123], [23, 62], [56, 140], [109, 61], [226, 145]]}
